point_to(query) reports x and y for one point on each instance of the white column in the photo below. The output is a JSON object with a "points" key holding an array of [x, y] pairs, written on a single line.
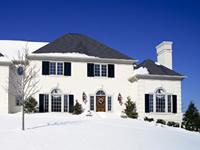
{"points": [[62, 103], [166, 103], [49, 102], [154, 103]]}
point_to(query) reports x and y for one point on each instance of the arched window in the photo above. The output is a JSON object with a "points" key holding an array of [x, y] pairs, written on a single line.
{"points": [[100, 93], [56, 92], [56, 100], [160, 100]]}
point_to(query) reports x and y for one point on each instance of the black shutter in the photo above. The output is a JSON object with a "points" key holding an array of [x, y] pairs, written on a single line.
{"points": [[41, 102], [45, 68], [90, 70], [67, 69], [71, 103], [111, 70], [174, 103], [146, 103]]}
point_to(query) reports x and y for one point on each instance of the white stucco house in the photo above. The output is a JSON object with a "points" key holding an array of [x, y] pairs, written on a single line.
{"points": [[76, 67]]}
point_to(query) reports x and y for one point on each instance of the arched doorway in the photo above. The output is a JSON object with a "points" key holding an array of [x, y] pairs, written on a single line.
{"points": [[56, 100], [100, 101]]}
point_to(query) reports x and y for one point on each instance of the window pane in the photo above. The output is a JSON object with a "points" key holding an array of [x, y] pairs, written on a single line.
{"points": [[160, 103], [91, 102], [109, 103], [103, 70], [46, 102], [100, 93], [56, 104], [65, 103], [169, 103], [59, 68], [96, 70], [18, 100], [52, 68], [150, 103]]}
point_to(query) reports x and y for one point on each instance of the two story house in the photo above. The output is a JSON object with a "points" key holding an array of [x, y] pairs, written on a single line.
{"points": [[76, 67]]}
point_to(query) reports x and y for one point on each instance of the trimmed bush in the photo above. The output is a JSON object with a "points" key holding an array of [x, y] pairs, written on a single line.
{"points": [[148, 119], [161, 121], [173, 124], [130, 109], [30, 105], [123, 115], [77, 108]]}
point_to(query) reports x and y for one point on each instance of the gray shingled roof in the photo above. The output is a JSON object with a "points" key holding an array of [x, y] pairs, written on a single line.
{"points": [[79, 43], [155, 69]]}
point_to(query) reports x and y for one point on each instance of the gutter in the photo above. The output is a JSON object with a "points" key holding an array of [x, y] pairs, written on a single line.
{"points": [[82, 59], [156, 77]]}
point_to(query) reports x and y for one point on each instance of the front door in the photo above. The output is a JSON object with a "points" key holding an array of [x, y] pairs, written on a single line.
{"points": [[100, 103]]}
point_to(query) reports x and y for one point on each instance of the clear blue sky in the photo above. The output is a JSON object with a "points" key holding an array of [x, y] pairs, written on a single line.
{"points": [[133, 27]]}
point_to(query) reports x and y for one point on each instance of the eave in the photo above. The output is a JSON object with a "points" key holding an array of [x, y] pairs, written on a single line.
{"points": [[156, 77], [82, 59]]}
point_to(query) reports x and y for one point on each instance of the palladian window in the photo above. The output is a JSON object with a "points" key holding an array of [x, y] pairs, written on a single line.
{"points": [[160, 102]]}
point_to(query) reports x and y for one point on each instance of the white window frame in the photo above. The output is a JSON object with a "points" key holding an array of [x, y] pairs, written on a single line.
{"points": [[51, 69], [17, 100], [94, 102], [67, 102], [166, 103], [107, 97], [56, 68], [100, 69]]}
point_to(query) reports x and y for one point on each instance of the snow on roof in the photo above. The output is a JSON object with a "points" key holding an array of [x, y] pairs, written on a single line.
{"points": [[141, 71], [157, 63], [10, 48], [73, 54]]}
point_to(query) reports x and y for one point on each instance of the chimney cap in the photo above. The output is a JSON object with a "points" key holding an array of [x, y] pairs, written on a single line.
{"points": [[164, 43]]}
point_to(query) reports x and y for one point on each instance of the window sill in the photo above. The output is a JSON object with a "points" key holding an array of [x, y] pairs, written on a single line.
{"points": [[159, 113]]}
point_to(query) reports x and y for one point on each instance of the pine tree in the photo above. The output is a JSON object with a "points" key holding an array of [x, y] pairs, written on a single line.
{"points": [[191, 120], [30, 105], [130, 109], [77, 108]]}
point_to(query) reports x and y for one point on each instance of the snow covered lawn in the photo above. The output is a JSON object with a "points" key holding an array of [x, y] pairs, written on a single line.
{"points": [[103, 131]]}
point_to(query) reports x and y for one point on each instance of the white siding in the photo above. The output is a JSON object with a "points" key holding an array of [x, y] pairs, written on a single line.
{"points": [[4, 74], [78, 83], [146, 86]]}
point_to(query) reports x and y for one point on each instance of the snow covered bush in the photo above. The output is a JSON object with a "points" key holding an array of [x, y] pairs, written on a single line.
{"points": [[161, 121], [30, 105], [173, 124], [77, 108], [130, 109], [148, 119], [123, 115]]}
